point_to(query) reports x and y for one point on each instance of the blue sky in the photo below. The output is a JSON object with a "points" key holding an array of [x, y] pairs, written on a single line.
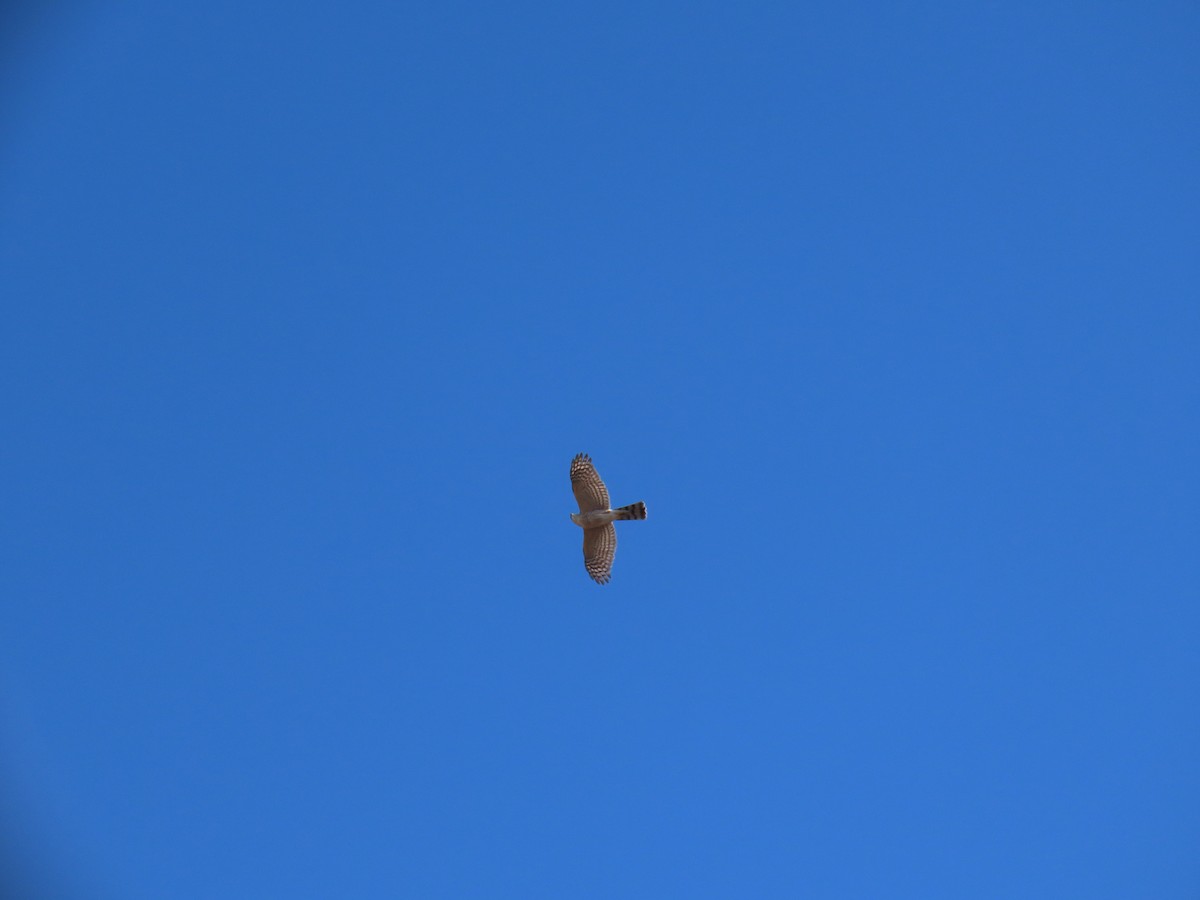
{"points": [[888, 313]]}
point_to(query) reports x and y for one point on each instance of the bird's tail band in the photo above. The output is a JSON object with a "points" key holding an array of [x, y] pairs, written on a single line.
{"points": [[632, 511]]}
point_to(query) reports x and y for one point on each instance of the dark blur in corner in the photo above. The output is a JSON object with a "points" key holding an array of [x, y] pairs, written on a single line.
{"points": [[30, 866], [29, 32]]}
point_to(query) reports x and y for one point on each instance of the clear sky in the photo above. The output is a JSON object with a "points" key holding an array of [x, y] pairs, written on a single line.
{"points": [[889, 312]]}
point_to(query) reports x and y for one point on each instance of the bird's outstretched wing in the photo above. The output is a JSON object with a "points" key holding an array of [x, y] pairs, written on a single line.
{"points": [[599, 550], [590, 492]]}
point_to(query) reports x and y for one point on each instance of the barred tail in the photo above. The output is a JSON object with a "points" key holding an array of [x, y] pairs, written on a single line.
{"points": [[632, 511]]}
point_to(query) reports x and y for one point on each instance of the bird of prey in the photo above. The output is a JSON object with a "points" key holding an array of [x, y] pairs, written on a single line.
{"points": [[596, 519]]}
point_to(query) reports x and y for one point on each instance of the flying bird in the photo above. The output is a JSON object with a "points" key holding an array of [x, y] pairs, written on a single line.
{"points": [[596, 519]]}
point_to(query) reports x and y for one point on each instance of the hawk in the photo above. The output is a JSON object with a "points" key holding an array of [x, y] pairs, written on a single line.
{"points": [[596, 519]]}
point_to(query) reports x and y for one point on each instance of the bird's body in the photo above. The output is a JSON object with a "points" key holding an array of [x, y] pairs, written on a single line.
{"points": [[596, 518]]}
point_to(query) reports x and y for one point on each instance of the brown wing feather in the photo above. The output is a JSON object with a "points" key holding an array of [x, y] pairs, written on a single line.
{"points": [[590, 492], [599, 550]]}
